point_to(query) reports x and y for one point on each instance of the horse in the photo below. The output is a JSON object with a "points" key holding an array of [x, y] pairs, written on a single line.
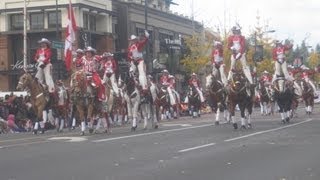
{"points": [[38, 98], [132, 97], [61, 106], [240, 93], [216, 96], [78, 96], [148, 106], [307, 96], [265, 98], [284, 94], [194, 101], [162, 103]]}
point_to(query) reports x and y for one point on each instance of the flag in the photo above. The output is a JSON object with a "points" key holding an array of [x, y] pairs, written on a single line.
{"points": [[70, 37]]}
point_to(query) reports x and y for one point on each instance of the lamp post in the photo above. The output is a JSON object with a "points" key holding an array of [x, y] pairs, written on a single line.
{"points": [[255, 44], [25, 35], [147, 60]]}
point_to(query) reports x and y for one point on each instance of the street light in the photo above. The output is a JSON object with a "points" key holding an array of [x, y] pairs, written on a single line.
{"points": [[255, 44]]}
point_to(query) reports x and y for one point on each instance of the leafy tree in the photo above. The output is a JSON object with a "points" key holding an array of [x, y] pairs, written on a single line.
{"points": [[198, 54]]}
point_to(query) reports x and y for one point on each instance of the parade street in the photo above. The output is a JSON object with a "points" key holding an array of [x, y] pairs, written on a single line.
{"points": [[184, 149]]}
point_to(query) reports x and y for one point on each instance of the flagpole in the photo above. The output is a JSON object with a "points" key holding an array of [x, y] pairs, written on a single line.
{"points": [[25, 35], [57, 27]]}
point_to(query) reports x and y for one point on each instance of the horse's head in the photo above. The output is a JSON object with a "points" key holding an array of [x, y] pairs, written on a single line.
{"points": [[24, 81], [239, 81], [78, 80]]}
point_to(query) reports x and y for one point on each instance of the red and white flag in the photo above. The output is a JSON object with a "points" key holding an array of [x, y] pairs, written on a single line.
{"points": [[70, 37]]}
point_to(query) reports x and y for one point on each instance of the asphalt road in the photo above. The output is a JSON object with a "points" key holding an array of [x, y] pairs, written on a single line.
{"points": [[187, 149]]}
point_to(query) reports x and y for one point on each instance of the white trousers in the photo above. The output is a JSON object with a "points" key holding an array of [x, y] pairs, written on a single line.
{"points": [[215, 72], [283, 67], [172, 98], [142, 73], [113, 83], [44, 76], [245, 67]]}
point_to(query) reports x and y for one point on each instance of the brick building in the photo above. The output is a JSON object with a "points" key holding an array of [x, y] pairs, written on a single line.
{"points": [[93, 18]]}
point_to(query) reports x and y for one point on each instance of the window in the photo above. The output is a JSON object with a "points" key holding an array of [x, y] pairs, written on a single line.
{"points": [[89, 22], [37, 21], [52, 19], [16, 22], [92, 21]]}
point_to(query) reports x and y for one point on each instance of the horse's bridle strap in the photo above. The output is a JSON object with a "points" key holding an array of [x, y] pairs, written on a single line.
{"points": [[39, 95]]}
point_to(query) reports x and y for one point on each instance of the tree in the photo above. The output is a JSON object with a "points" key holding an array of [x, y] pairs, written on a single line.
{"points": [[198, 54]]}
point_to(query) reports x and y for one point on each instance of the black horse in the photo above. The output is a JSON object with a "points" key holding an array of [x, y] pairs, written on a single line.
{"points": [[240, 93]]}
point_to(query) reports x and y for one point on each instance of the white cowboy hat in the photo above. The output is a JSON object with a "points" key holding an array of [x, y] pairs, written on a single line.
{"points": [[236, 28], [44, 40], [170, 76], [90, 49], [217, 43], [133, 37], [79, 51], [277, 42], [107, 54], [193, 74], [265, 72], [165, 71]]}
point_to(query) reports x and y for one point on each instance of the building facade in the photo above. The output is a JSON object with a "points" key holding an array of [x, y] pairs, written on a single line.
{"points": [[167, 31], [46, 19]]}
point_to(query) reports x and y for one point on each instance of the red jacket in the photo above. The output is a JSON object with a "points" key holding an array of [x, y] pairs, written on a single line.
{"points": [[217, 56], [266, 78], [164, 80], [110, 66], [46, 53], [135, 50], [194, 82], [279, 52], [237, 42]]}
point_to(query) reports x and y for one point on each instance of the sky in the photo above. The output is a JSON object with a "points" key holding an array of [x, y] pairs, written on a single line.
{"points": [[294, 19]]}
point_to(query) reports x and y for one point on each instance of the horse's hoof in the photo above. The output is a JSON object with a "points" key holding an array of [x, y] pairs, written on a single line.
{"points": [[35, 132], [287, 120], [133, 128], [283, 121], [90, 130], [156, 126], [243, 127], [73, 128], [249, 126], [42, 131], [235, 125], [105, 131], [82, 133], [217, 123]]}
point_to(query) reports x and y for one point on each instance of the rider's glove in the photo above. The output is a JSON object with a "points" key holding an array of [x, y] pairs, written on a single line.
{"points": [[146, 33]]}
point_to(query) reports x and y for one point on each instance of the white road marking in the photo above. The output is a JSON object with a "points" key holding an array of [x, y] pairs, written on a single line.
{"points": [[196, 147], [267, 131], [170, 125], [69, 139], [151, 133]]}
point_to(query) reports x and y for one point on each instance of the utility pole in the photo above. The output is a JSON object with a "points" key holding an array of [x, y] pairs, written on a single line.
{"points": [[25, 35], [57, 26], [147, 60]]}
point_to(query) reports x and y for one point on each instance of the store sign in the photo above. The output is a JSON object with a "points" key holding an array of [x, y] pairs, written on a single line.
{"points": [[173, 42], [19, 65]]}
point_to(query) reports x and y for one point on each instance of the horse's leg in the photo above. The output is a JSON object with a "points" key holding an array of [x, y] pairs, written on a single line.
{"points": [[80, 111], [242, 112], [144, 109], [217, 122], [232, 107], [135, 112], [90, 117]]}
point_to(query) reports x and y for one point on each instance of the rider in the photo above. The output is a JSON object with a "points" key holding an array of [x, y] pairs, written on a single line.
{"points": [[90, 66], [305, 76], [44, 66], [172, 85], [266, 77], [109, 68], [278, 54], [164, 81], [78, 59], [194, 81], [236, 43], [217, 62], [135, 57]]}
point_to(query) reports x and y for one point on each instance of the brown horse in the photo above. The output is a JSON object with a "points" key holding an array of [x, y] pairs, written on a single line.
{"points": [[241, 94], [61, 106], [38, 98], [307, 96], [78, 95]]}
